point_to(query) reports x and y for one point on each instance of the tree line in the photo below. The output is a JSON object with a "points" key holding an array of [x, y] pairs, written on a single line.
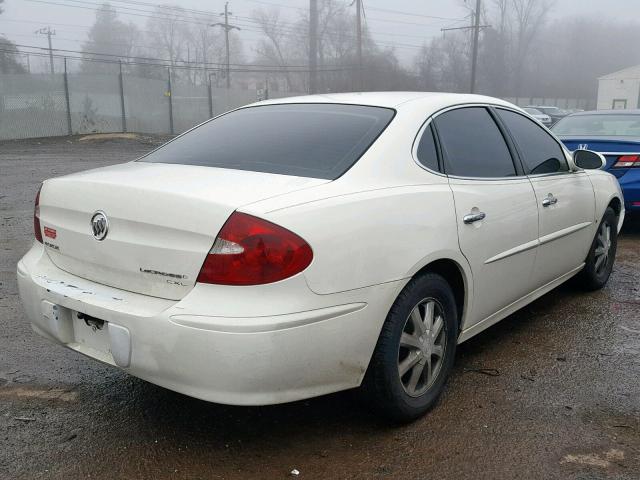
{"points": [[524, 50]]}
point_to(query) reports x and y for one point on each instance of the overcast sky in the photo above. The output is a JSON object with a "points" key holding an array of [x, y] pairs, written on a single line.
{"points": [[71, 18]]}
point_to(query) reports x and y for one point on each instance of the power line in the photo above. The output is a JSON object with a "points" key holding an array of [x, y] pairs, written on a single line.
{"points": [[386, 10], [211, 13], [277, 69], [410, 14], [156, 59], [183, 19]]}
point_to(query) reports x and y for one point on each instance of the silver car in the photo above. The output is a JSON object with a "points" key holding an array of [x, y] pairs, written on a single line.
{"points": [[543, 118]]}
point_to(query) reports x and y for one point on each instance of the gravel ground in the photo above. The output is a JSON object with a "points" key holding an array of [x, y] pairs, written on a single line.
{"points": [[550, 392]]}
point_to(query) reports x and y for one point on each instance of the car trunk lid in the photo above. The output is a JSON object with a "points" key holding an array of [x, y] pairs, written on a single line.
{"points": [[162, 220]]}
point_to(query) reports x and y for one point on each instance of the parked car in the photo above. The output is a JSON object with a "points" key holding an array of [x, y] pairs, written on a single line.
{"points": [[543, 118], [555, 113], [616, 135], [308, 245]]}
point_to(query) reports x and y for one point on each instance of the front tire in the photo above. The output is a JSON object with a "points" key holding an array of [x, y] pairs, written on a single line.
{"points": [[415, 351], [602, 254]]}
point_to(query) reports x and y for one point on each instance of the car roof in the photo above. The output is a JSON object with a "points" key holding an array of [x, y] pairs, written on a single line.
{"points": [[390, 99], [635, 111]]}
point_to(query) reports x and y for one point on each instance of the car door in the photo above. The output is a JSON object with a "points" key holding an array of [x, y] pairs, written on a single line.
{"points": [[495, 205], [565, 199]]}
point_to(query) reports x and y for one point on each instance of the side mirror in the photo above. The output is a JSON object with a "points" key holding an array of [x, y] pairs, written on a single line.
{"points": [[589, 160]]}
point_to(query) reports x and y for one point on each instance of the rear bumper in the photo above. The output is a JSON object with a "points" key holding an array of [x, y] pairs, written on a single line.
{"points": [[235, 345]]}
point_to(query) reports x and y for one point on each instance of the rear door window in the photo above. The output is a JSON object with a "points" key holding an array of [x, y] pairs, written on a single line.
{"points": [[307, 140], [473, 144], [539, 151]]}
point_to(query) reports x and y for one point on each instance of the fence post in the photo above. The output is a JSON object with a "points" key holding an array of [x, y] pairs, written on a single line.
{"points": [[122, 110], [171, 130], [66, 97], [210, 98]]}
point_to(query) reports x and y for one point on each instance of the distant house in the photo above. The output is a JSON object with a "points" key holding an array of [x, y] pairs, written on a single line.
{"points": [[620, 89]]}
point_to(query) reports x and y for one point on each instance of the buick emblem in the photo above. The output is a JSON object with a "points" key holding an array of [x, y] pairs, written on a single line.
{"points": [[99, 225]]}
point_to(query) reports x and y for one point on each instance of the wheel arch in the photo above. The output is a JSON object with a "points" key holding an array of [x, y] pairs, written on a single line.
{"points": [[616, 205], [458, 278]]}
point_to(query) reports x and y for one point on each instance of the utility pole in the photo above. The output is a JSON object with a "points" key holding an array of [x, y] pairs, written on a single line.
{"points": [[227, 28], [313, 46], [48, 32], [476, 27], [359, 41], [474, 58]]}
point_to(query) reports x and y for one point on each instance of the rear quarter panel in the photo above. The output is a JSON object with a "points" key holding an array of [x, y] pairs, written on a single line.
{"points": [[373, 237], [605, 188]]}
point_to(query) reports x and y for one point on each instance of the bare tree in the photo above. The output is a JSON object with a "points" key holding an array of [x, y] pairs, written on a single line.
{"points": [[168, 30], [528, 18], [207, 46], [8, 55], [274, 48]]}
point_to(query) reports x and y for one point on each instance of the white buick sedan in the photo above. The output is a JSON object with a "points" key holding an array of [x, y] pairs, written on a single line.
{"points": [[304, 246]]}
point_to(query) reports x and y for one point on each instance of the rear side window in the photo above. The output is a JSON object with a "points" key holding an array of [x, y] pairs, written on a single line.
{"points": [[427, 153], [539, 151], [473, 144], [307, 140]]}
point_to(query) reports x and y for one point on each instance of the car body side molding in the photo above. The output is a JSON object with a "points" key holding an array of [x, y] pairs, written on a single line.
{"points": [[564, 232]]}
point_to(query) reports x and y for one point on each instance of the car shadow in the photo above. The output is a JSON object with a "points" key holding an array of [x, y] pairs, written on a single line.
{"points": [[335, 413]]}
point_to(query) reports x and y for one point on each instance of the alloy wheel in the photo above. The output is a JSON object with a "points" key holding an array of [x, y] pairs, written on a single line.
{"points": [[603, 247], [422, 347]]}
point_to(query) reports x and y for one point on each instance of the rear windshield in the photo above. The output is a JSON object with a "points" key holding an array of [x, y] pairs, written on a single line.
{"points": [[306, 140], [626, 125]]}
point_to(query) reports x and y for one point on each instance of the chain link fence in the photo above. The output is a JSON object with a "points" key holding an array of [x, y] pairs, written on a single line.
{"points": [[166, 102], [136, 98]]}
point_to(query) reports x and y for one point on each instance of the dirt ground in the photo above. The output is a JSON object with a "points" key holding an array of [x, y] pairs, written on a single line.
{"points": [[551, 392]]}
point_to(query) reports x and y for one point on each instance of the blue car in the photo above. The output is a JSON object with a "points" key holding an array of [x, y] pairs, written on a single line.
{"points": [[615, 134]]}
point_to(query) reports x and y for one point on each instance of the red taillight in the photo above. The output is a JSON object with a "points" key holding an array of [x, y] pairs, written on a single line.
{"points": [[252, 251], [36, 217], [627, 161]]}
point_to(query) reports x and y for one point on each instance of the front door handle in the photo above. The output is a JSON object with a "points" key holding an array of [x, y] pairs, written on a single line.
{"points": [[473, 217], [550, 200]]}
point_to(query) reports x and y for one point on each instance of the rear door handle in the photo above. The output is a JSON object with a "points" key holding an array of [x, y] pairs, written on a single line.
{"points": [[550, 200], [473, 217]]}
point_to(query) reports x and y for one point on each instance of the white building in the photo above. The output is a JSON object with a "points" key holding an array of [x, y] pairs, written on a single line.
{"points": [[620, 89]]}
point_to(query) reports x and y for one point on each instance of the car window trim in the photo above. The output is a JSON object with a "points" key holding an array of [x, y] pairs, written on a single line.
{"points": [[544, 130], [268, 103], [511, 144], [519, 173], [428, 124]]}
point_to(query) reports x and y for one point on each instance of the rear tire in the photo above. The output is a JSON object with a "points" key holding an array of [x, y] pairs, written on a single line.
{"points": [[602, 254], [415, 351]]}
